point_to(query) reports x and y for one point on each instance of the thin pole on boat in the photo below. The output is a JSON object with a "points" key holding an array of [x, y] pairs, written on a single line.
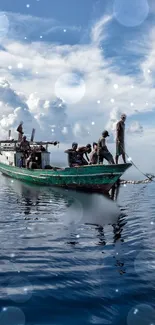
{"points": [[9, 135], [32, 135]]}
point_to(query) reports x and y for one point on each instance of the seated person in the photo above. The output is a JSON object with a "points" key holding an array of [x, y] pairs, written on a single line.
{"points": [[82, 153], [94, 155], [42, 148], [31, 161], [72, 155], [22, 162], [103, 151]]}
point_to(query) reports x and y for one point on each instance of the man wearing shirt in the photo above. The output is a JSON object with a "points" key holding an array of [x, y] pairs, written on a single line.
{"points": [[103, 151]]}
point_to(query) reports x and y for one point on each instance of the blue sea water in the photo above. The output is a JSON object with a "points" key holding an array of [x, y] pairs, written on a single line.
{"points": [[72, 258]]}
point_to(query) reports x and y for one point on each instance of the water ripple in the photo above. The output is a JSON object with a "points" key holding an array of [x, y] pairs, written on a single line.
{"points": [[68, 257]]}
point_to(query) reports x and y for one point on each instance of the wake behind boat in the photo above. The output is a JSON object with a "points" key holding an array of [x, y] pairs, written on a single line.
{"points": [[91, 178]]}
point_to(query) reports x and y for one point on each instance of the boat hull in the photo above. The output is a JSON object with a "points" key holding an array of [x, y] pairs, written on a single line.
{"points": [[94, 178]]}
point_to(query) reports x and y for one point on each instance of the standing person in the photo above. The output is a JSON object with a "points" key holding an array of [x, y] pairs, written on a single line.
{"points": [[120, 133], [25, 147], [20, 131], [103, 151], [94, 155]]}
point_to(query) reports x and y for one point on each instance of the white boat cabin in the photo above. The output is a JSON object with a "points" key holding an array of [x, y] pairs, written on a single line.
{"points": [[10, 154]]}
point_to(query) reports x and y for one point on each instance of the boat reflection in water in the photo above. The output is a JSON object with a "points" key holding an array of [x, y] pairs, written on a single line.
{"points": [[68, 207], [55, 217]]}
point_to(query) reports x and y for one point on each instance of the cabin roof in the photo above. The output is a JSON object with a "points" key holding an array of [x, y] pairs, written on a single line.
{"points": [[31, 143]]}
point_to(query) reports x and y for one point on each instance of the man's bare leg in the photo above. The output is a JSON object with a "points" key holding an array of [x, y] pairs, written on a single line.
{"points": [[100, 160], [116, 159], [124, 159]]}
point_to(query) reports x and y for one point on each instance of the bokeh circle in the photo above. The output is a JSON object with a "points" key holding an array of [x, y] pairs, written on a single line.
{"points": [[141, 315], [12, 316], [70, 88], [19, 289], [130, 13]]}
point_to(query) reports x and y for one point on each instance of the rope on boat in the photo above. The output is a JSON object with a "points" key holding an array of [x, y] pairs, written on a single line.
{"points": [[149, 178]]}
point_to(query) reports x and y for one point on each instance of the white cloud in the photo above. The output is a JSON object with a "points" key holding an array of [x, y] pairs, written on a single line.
{"points": [[16, 25], [80, 131], [97, 33], [42, 64], [135, 127]]}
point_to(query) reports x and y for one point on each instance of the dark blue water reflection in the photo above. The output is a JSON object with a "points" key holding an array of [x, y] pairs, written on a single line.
{"points": [[58, 267]]}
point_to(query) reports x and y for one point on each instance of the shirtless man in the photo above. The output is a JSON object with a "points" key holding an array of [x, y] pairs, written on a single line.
{"points": [[94, 155], [72, 154], [120, 132], [82, 154]]}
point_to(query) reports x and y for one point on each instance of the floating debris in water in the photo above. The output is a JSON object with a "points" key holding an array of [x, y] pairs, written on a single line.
{"points": [[124, 182]]}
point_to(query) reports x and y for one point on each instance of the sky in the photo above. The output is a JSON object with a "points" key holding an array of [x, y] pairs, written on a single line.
{"points": [[70, 68]]}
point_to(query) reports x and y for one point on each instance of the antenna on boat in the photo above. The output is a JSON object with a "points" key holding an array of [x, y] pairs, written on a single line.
{"points": [[32, 135], [9, 135]]}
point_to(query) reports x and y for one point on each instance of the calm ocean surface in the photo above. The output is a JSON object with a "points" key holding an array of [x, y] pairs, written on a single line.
{"points": [[58, 267]]}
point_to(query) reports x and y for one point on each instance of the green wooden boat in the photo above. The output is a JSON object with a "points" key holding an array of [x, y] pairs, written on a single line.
{"points": [[91, 178]]}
